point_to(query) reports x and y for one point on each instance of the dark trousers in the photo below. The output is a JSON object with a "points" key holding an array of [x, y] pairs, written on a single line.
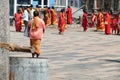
{"points": [[27, 29]]}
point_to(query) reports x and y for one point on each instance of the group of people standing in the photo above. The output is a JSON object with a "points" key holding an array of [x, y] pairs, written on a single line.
{"points": [[106, 21], [30, 18], [35, 25], [50, 17], [65, 17]]}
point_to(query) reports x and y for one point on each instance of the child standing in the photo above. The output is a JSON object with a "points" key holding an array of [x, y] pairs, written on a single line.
{"points": [[114, 24]]}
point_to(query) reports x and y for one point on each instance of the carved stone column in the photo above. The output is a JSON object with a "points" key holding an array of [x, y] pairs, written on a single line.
{"points": [[4, 37]]}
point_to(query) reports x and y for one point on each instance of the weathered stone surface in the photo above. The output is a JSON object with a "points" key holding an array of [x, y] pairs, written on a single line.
{"points": [[4, 37], [27, 68], [77, 55]]}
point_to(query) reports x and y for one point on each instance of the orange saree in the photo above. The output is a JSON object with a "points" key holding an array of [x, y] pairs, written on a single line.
{"points": [[47, 18], [61, 23], [54, 17], [100, 22]]}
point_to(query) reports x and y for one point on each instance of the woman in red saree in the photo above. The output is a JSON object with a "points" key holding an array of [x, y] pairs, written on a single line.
{"points": [[61, 23], [53, 16], [69, 15], [85, 20], [107, 23], [22, 12], [100, 21], [18, 18]]}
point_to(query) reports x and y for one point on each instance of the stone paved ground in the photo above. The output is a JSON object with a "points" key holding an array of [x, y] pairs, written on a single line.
{"points": [[77, 55]]}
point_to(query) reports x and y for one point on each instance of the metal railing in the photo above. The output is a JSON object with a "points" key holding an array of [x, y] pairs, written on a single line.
{"points": [[83, 6]]}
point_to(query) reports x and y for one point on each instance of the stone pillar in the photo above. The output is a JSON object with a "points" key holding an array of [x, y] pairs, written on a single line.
{"points": [[59, 2], [31, 1], [48, 4], [56, 1], [27, 68], [4, 37], [95, 4], [112, 5], [86, 5], [119, 5], [15, 6], [103, 4], [66, 3], [42, 3]]}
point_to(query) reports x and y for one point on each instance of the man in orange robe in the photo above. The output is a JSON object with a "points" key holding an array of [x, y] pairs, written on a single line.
{"points": [[69, 15], [53, 16], [100, 21]]}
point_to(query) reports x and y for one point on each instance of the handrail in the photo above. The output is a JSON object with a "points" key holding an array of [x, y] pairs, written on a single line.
{"points": [[79, 9]]}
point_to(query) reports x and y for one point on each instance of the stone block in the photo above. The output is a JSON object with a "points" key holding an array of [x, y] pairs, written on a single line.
{"points": [[26, 68]]}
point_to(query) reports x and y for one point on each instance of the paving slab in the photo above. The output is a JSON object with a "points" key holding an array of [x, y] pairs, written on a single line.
{"points": [[76, 55]]}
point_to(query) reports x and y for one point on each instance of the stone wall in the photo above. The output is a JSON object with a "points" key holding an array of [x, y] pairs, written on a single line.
{"points": [[4, 37]]}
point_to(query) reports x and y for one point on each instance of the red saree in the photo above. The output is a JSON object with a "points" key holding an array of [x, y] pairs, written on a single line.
{"points": [[17, 17], [64, 16], [107, 23], [61, 25], [69, 16], [85, 21], [114, 24]]}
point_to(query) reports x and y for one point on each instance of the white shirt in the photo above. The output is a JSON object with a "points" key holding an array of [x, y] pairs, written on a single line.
{"points": [[31, 13], [25, 15]]}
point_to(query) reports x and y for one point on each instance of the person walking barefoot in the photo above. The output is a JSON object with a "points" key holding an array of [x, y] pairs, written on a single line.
{"points": [[37, 28]]}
